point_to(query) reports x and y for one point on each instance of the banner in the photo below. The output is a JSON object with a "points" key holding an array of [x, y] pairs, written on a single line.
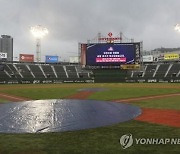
{"points": [[74, 59], [3, 55], [148, 58], [130, 66], [26, 58], [171, 56], [51, 59]]}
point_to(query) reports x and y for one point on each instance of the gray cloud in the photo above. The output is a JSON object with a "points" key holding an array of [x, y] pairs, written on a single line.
{"points": [[73, 21]]}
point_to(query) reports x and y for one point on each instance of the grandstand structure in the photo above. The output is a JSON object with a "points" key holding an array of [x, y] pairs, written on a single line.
{"points": [[14, 73], [42, 73], [157, 72]]}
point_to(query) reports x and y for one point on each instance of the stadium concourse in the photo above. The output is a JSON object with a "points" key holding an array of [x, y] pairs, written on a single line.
{"points": [[60, 73]]}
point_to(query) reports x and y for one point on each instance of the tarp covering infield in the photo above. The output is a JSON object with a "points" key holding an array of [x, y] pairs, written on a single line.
{"points": [[60, 115]]}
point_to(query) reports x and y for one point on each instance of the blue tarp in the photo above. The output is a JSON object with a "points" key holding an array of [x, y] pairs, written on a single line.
{"points": [[62, 115]]}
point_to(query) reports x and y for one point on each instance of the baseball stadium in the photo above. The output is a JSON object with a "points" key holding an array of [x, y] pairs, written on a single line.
{"points": [[110, 101]]}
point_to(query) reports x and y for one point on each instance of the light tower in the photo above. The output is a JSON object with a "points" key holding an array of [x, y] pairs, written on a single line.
{"points": [[38, 32], [177, 27]]}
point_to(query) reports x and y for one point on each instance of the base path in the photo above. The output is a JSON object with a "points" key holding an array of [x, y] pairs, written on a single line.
{"points": [[160, 116], [13, 98], [146, 98]]}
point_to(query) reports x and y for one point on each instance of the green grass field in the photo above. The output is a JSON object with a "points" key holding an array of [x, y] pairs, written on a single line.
{"points": [[3, 100], [99, 140]]}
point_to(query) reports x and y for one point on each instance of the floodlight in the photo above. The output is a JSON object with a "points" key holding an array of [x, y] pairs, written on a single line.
{"points": [[38, 32], [177, 27]]}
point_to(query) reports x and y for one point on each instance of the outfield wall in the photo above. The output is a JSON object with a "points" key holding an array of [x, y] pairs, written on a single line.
{"points": [[109, 75], [153, 80], [44, 81], [117, 75]]}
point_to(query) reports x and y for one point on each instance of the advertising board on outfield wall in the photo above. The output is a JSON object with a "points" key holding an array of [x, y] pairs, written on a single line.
{"points": [[130, 66], [171, 56], [45, 81], [26, 58]]}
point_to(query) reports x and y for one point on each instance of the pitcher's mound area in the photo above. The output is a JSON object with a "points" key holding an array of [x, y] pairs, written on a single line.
{"points": [[62, 115]]}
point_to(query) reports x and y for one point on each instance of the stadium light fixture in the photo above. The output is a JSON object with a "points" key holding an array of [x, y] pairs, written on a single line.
{"points": [[177, 27], [38, 32]]}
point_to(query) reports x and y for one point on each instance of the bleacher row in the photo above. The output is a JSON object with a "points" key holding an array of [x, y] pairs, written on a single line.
{"points": [[36, 71], [159, 71]]}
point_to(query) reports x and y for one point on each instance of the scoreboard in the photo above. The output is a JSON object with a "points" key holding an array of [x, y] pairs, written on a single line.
{"points": [[108, 54]]}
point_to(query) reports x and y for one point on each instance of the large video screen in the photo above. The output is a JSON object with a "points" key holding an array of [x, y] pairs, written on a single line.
{"points": [[111, 54]]}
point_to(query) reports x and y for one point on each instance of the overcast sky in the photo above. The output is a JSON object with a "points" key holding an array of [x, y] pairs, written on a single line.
{"points": [[73, 21]]}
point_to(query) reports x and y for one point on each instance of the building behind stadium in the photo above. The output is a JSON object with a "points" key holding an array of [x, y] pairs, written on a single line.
{"points": [[6, 47]]}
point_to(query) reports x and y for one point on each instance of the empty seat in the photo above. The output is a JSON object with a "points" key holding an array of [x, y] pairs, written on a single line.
{"points": [[48, 71], [72, 73], [36, 71], [60, 71]]}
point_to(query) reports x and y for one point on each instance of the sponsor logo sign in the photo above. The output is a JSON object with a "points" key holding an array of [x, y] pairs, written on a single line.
{"points": [[74, 59], [148, 58], [109, 39], [3, 55], [26, 58], [130, 66], [171, 56], [51, 59]]}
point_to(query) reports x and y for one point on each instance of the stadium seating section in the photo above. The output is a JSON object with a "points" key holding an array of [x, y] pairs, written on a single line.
{"points": [[156, 73], [30, 71], [24, 72]]}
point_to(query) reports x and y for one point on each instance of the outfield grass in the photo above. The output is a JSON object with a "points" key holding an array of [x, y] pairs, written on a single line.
{"points": [[99, 140]]}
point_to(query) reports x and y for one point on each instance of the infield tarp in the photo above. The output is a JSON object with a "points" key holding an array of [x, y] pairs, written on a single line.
{"points": [[62, 115]]}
